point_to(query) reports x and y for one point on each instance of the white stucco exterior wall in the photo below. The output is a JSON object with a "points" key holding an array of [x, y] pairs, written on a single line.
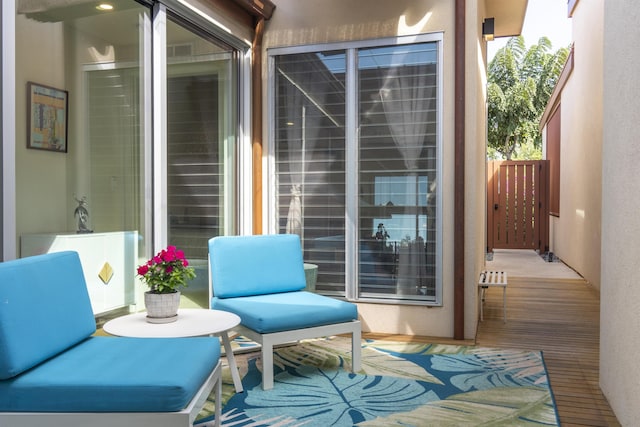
{"points": [[315, 21], [620, 291], [475, 163], [575, 234]]}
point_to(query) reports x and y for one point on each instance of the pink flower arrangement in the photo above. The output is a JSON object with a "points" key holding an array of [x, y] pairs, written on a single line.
{"points": [[166, 272]]}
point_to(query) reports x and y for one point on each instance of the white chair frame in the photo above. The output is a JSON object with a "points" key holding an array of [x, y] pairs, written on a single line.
{"points": [[268, 341], [183, 418]]}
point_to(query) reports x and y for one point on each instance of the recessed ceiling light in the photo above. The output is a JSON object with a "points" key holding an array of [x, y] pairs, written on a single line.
{"points": [[104, 6]]}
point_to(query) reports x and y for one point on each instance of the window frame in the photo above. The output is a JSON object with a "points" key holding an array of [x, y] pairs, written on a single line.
{"points": [[9, 248], [191, 18], [352, 154]]}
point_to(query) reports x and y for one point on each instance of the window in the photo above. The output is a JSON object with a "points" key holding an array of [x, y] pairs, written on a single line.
{"points": [[356, 150]]}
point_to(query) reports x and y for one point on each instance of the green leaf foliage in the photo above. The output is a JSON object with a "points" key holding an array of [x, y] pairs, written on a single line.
{"points": [[520, 83]]}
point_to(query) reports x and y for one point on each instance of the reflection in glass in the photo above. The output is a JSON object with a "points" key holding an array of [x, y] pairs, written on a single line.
{"points": [[97, 57], [391, 174], [397, 171], [201, 123], [310, 155]]}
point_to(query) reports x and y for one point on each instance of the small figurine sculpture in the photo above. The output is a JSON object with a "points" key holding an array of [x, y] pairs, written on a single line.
{"points": [[82, 212]]}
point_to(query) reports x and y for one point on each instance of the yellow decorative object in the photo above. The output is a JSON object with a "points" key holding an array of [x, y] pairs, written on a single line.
{"points": [[106, 273]]}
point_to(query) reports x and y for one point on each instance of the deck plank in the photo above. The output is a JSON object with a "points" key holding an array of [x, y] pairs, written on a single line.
{"points": [[562, 318]]}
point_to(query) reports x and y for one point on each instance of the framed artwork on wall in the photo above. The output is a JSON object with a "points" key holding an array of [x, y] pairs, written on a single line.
{"points": [[47, 116]]}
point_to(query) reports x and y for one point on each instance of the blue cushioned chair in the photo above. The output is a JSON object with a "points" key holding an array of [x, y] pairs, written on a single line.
{"points": [[262, 280], [54, 372]]}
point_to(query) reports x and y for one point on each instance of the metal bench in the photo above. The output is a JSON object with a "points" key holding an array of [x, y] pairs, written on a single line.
{"points": [[489, 279]]}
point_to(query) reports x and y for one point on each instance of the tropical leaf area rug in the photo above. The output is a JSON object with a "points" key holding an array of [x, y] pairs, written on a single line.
{"points": [[400, 384]]}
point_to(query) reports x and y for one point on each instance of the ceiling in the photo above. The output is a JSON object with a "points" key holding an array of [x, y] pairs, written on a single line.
{"points": [[68, 10], [508, 15]]}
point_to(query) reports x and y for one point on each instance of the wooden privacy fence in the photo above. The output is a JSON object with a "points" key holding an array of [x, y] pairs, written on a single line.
{"points": [[517, 205]]}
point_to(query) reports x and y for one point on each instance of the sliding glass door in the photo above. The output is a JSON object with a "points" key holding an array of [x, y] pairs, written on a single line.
{"points": [[150, 134]]}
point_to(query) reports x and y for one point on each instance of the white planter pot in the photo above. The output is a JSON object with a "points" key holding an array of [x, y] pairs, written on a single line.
{"points": [[162, 308]]}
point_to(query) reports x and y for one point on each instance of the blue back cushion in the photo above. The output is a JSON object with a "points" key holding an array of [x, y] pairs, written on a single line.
{"points": [[256, 265], [44, 309]]}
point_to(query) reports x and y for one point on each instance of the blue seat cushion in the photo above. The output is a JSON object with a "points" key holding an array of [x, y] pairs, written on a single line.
{"points": [[287, 310], [114, 374]]}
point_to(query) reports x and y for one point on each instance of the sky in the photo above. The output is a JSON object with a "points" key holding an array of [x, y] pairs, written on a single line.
{"points": [[543, 18]]}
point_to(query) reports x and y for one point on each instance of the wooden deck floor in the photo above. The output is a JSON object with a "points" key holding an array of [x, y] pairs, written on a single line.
{"points": [[561, 317]]}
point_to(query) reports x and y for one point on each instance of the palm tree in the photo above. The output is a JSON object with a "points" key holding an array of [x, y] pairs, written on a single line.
{"points": [[520, 83]]}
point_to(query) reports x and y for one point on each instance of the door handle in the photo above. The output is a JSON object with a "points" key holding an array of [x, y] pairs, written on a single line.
{"points": [[495, 207]]}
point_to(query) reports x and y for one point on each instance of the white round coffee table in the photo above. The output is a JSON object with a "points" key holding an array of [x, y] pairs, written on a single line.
{"points": [[192, 322]]}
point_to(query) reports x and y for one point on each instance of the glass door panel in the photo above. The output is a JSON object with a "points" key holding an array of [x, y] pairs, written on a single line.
{"points": [[397, 171], [310, 159], [91, 198], [202, 121]]}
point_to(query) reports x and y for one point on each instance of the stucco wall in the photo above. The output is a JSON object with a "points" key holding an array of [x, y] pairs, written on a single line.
{"points": [[620, 292], [316, 21], [575, 235], [475, 163]]}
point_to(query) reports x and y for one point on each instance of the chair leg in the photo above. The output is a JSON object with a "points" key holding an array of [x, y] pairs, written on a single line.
{"points": [[231, 360], [356, 348], [504, 304], [267, 365], [218, 407]]}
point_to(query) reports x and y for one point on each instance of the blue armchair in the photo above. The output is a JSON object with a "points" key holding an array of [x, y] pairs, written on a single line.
{"points": [[262, 280], [54, 372]]}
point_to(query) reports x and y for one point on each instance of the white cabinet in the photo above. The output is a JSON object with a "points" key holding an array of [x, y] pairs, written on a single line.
{"points": [[116, 251]]}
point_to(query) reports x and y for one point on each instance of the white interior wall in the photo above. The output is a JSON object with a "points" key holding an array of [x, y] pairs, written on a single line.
{"points": [[47, 182], [41, 176]]}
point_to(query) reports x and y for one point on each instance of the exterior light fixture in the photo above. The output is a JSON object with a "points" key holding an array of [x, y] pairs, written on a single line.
{"points": [[488, 29]]}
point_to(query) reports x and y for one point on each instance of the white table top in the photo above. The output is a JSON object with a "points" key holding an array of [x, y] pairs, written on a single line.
{"points": [[191, 323]]}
